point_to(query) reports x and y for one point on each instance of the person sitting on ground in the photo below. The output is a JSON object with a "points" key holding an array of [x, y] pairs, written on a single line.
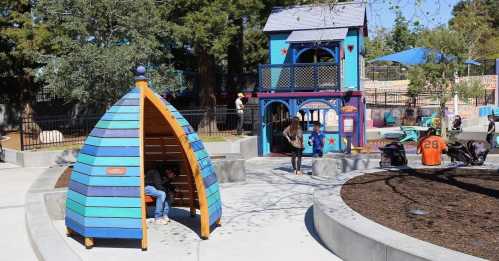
{"points": [[316, 140], [432, 147], [155, 188], [456, 125]]}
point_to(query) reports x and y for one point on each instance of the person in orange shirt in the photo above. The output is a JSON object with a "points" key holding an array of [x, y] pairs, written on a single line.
{"points": [[432, 147]]}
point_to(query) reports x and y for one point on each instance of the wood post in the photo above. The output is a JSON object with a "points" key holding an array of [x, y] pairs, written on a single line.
{"points": [[89, 242]]}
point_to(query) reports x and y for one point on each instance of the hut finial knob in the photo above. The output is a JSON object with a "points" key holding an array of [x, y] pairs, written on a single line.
{"points": [[141, 70]]}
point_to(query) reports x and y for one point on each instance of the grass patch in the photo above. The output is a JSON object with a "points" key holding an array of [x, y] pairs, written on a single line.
{"points": [[62, 147], [212, 138]]}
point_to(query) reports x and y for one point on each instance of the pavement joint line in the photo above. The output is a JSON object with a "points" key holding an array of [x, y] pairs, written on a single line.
{"points": [[12, 206]]}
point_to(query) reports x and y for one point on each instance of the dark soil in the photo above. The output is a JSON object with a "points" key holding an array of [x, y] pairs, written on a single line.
{"points": [[63, 180], [460, 206]]}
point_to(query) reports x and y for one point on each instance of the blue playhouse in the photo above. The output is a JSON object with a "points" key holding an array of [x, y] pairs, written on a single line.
{"points": [[316, 59]]}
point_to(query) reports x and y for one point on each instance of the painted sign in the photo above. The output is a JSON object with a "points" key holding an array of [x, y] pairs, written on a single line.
{"points": [[315, 106], [348, 109], [116, 171]]}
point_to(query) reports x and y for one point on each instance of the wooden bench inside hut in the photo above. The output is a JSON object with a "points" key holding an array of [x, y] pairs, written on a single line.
{"points": [[162, 146]]}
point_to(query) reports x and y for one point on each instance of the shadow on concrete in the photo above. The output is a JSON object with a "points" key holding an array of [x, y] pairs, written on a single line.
{"points": [[309, 224]]}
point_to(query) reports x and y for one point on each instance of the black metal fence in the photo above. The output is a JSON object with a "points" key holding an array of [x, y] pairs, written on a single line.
{"points": [[63, 130], [386, 72], [392, 98]]}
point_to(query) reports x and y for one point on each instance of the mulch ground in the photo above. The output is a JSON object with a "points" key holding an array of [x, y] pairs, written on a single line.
{"points": [[63, 180], [460, 207]]}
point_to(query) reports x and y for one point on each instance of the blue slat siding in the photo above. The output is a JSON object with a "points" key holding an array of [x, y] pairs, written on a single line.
{"points": [[104, 222], [104, 191], [99, 232], [117, 181], [110, 151], [124, 109], [102, 171], [109, 161], [117, 124], [133, 142], [109, 116], [103, 201]]}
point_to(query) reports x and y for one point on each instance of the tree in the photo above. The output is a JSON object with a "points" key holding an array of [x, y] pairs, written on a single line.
{"points": [[473, 23], [437, 75], [21, 43], [478, 21], [401, 37], [99, 44], [378, 45]]}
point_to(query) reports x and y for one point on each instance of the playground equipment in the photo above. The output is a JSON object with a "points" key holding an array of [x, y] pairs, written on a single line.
{"points": [[106, 197], [389, 119]]}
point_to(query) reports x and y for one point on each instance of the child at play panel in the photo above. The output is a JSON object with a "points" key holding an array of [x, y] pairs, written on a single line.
{"points": [[316, 140], [159, 185], [432, 147]]}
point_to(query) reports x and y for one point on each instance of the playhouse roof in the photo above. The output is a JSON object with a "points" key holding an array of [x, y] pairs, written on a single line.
{"points": [[306, 17]]}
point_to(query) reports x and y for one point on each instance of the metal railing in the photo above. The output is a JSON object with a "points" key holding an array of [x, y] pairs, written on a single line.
{"points": [[64, 130], [299, 77], [393, 98], [386, 72]]}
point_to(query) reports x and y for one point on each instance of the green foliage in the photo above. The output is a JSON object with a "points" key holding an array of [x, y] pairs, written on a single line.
{"points": [[378, 46], [401, 38], [417, 81], [99, 43], [21, 43], [470, 89]]}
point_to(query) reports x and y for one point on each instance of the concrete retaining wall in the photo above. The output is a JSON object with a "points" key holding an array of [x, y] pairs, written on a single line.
{"points": [[40, 158], [334, 166], [230, 170], [46, 241], [351, 236], [245, 147]]}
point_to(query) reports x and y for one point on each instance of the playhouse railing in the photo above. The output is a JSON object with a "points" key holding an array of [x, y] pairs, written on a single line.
{"points": [[299, 77]]}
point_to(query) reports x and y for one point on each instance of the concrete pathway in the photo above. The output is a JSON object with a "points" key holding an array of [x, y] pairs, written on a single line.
{"points": [[14, 183], [268, 217]]}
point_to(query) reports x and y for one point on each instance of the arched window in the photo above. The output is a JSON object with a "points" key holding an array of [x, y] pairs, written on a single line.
{"points": [[315, 55]]}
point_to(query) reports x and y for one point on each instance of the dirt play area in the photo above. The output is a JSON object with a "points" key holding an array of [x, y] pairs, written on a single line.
{"points": [[457, 208]]}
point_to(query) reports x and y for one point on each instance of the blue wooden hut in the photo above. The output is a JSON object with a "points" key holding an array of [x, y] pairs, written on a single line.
{"points": [[316, 59], [106, 197]]}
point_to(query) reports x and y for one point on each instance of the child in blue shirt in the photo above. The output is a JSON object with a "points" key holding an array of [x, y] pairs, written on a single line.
{"points": [[316, 140]]}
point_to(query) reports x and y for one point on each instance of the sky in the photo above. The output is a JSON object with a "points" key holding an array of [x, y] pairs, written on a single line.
{"points": [[429, 13]]}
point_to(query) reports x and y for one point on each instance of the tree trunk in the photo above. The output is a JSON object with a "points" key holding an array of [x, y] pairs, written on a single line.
{"points": [[235, 60], [29, 126], [443, 121], [207, 74]]}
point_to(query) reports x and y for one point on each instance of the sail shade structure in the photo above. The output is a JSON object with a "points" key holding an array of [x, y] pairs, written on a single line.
{"points": [[106, 198], [415, 56]]}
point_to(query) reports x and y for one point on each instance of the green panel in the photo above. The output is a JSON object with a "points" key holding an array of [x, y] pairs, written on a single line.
{"points": [[109, 161], [117, 124], [128, 109], [103, 201], [104, 211], [132, 142]]}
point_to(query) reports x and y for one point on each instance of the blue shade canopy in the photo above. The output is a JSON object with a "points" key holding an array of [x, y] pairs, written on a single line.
{"points": [[415, 56], [472, 62]]}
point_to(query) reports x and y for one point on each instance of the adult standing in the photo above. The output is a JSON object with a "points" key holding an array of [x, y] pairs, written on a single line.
{"points": [[491, 131], [294, 134], [240, 113]]}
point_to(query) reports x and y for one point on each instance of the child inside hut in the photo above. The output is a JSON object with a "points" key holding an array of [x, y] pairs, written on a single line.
{"points": [[160, 187]]}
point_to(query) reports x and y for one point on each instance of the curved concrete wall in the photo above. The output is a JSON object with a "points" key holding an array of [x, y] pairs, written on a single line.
{"points": [[353, 237]]}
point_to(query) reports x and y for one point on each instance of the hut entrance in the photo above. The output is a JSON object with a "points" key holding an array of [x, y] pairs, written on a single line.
{"points": [[162, 147]]}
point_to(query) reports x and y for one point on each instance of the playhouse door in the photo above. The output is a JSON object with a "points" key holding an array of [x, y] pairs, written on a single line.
{"points": [[275, 120]]}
